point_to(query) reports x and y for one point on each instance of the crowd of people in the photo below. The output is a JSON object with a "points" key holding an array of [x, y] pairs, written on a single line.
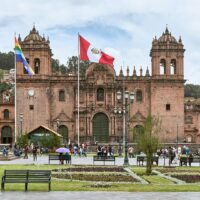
{"points": [[173, 153], [105, 150]]}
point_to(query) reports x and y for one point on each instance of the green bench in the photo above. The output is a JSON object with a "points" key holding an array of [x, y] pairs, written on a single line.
{"points": [[142, 159], [185, 159], [104, 159], [26, 177], [67, 158]]}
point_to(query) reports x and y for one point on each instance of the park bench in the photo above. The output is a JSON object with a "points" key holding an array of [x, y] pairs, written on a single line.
{"points": [[196, 159], [67, 158], [104, 159], [26, 176], [142, 159], [185, 159]]}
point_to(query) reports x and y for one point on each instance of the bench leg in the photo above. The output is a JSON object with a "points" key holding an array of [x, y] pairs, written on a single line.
{"points": [[2, 186], [49, 186], [26, 187]]}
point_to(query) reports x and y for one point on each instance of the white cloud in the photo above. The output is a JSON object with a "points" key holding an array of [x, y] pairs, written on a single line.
{"points": [[123, 28]]}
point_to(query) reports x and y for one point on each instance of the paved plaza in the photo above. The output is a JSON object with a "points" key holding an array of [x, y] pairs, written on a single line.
{"points": [[77, 161], [100, 195], [84, 161]]}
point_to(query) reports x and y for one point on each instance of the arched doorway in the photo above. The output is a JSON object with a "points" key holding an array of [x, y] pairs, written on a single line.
{"points": [[100, 128], [63, 130], [6, 135], [137, 131]]}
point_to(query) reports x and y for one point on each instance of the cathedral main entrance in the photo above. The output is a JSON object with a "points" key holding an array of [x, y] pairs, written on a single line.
{"points": [[100, 128]]}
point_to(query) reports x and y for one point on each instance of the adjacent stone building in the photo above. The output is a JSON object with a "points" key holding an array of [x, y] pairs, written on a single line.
{"points": [[50, 99], [192, 120], [7, 118]]}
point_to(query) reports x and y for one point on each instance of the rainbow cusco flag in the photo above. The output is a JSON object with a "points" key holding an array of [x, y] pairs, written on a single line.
{"points": [[20, 58]]}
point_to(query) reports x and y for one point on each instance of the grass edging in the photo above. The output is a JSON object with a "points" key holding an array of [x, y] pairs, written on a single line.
{"points": [[175, 180]]}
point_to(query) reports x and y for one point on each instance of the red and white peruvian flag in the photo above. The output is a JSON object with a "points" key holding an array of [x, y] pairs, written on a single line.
{"points": [[88, 52]]}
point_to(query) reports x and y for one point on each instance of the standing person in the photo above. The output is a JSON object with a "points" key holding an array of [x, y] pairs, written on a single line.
{"points": [[120, 150], [61, 158], [26, 152], [5, 151], [109, 150], [130, 152], [171, 155], [34, 151]]}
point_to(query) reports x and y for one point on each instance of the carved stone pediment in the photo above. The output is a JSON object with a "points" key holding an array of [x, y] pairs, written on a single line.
{"points": [[138, 117], [63, 118], [96, 68]]}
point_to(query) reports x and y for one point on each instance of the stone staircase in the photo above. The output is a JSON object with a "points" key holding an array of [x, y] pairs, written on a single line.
{"points": [[8, 158]]}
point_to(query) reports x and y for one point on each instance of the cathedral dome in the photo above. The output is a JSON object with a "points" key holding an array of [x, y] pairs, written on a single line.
{"points": [[33, 35], [167, 37]]}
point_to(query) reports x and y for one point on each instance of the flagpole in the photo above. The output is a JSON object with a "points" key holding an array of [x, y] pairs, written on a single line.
{"points": [[78, 103], [124, 120], [15, 96]]}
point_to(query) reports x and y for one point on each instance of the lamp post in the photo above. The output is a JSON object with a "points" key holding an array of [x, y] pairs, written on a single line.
{"points": [[177, 137], [21, 118], [127, 99]]}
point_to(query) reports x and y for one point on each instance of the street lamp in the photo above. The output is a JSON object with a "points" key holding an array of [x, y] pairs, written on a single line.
{"points": [[21, 118], [127, 99], [177, 136]]}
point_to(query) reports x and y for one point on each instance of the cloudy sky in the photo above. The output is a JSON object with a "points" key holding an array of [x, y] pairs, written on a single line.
{"points": [[123, 29]]}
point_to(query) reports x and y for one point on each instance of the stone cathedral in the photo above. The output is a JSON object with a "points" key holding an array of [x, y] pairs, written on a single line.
{"points": [[50, 99]]}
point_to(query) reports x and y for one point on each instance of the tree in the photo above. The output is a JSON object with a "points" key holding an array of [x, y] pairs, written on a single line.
{"points": [[49, 141], [7, 60], [1, 74], [4, 87], [192, 90], [148, 140], [72, 65], [22, 140], [55, 65]]}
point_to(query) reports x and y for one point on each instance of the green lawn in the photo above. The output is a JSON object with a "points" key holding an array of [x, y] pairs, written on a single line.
{"points": [[156, 183]]}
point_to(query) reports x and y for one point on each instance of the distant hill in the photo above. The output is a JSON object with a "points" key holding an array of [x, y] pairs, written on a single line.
{"points": [[7, 61], [192, 90]]}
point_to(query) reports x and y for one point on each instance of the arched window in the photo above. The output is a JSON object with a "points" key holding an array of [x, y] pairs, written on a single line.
{"points": [[173, 67], [162, 66], [61, 95], [37, 65], [137, 132], [6, 135], [188, 120], [25, 72], [6, 114], [138, 95], [100, 94]]}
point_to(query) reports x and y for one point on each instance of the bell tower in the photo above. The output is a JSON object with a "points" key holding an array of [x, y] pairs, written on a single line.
{"points": [[167, 57], [38, 54]]}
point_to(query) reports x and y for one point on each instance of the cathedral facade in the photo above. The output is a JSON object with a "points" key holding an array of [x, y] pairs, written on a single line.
{"points": [[50, 99]]}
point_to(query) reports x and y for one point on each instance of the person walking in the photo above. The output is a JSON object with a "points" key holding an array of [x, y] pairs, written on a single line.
{"points": [[34, 151]]}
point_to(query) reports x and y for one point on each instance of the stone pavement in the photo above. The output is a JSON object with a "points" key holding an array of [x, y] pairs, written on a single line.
{"points": [[100, 195], [79, 161]]}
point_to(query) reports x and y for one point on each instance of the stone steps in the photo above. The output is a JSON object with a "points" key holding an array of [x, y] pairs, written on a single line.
{"points": [[7, 158]]}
